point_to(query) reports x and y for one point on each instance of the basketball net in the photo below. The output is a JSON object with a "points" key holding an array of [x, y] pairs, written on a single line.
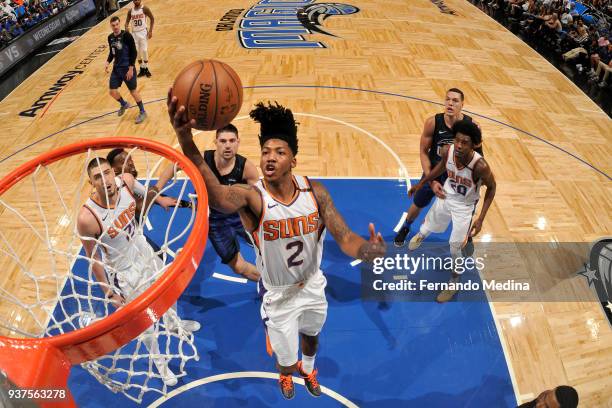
{"points": [[52, 289]]}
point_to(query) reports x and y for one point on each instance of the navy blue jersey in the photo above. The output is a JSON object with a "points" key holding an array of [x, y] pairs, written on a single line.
{"points": [[236, 176], [442, 135]]}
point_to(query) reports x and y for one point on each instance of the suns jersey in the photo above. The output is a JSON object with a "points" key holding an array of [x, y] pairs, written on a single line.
{"points": [[122, 246], [139, 19], [289, 237], [460, 185]]}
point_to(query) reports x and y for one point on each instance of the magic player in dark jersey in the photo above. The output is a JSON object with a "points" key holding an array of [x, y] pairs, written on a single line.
{"points": [[436, 133], [122, 53], [224, 229]]}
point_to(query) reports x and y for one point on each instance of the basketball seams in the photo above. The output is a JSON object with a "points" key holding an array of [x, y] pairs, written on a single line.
{"points": [[193, 82], [212, 63], [238, 89]]}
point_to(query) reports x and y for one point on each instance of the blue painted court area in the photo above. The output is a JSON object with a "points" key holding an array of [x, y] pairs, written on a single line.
{"points": [[391, 354]]}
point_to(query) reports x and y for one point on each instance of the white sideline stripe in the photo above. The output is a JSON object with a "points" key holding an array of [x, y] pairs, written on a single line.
{"points": [[148, 224], [356, 262], [400, 223], [48, 52], [246, 374], [229, 278]]}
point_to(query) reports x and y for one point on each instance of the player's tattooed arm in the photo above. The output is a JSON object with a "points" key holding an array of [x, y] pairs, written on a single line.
{"points": [[227, 199], [483, 172], [350, 243]]}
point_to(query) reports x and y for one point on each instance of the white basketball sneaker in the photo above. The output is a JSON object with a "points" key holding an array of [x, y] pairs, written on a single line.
{"points": [[416, 241], [168, 377]]}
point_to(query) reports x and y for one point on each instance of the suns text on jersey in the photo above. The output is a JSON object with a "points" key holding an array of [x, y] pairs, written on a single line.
{"points": [[290, 227]]}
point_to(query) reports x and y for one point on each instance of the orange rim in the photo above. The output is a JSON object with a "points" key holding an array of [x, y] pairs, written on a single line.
{"points": [[128, 322]]}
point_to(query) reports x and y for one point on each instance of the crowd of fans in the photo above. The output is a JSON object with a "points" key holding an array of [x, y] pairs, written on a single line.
{"points": [[19, 16], [571, 31]]}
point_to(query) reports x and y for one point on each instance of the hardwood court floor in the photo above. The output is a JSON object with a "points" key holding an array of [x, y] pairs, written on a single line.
{"points": [[397, 49]]}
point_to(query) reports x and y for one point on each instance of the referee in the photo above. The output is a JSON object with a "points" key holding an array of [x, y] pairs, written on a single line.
{"points": [[123, 52]]}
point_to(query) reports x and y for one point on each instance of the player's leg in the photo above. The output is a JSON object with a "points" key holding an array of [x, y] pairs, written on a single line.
{"points": [[132, 85], [145, 55], [462, 220], [114, 83], [282, 338], [138, 41], [422, 198], [130, 284], [313, 303], [437, 219], [237, 262]]}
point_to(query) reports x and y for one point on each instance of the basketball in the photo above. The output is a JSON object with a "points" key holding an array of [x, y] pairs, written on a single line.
{"points": [[211, 92]]}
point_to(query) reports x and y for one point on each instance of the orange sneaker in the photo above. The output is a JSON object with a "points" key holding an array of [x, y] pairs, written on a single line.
{"points": [[285, 383], [310, 380]]}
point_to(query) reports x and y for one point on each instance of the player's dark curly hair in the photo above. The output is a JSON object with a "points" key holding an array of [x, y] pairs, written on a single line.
{"points": [[276, 122], [468, 128]]}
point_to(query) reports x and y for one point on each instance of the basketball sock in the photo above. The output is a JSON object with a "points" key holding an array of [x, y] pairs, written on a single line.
{"points": [[122, 101], [407, 223], [140, 106], [308, 363]]}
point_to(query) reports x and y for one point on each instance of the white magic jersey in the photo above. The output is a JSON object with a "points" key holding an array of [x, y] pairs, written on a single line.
{"points": [[139, 19], [289, 237], [123, 247], [460, 185]]}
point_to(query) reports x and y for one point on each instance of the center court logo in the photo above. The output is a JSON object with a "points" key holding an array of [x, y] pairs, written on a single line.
{"points": [[277, 24]]}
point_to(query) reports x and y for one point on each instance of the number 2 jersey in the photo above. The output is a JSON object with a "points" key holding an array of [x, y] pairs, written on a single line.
{"points": [[460, 185], [123, 247], [289, 237]]}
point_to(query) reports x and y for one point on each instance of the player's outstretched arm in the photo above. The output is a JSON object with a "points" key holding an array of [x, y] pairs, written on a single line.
{"points": [[227, 199], [425, 144], [483, 172], [88, 229], [433, 174], [350, 243]]}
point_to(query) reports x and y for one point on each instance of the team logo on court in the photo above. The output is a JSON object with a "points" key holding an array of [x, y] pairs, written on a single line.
{"points": [[598, 272], [278, 24], [312, 16]]}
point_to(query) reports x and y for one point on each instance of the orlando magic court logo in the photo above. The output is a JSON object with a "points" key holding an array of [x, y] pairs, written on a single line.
{"points": [[278, 24], [312, 16], [598, 272]]}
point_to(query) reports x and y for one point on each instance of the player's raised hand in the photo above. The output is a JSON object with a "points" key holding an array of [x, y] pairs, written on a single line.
{"points": [[178, 116], [117, 300], [166, 202], [374, 248]]}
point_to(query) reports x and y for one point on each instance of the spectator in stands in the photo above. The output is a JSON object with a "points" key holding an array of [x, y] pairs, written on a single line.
{"points": [[605, 64], [566, 19], [5, 38], [16, 30], [553, 23], [600, 51]]}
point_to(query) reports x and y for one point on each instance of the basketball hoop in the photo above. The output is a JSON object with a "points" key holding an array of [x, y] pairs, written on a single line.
{"points": [[45, 362]]}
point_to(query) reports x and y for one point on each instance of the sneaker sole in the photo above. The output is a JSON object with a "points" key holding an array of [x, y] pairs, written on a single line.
{"points": [[314, 395]]}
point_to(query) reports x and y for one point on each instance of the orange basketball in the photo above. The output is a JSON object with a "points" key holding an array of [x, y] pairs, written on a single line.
{"points": [[211, 92]]}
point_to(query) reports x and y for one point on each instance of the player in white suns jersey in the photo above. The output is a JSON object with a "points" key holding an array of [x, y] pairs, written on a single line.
{"points": [[106, 224], [466, 170], [287, 217], [139, 15]]}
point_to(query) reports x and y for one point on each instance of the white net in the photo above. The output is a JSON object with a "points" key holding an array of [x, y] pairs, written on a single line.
{"points": [[51, 286]]}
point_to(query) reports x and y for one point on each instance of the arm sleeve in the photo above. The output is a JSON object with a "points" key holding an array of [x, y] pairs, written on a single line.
{"points": [[129, 40], [110, 51], [139, 189]]}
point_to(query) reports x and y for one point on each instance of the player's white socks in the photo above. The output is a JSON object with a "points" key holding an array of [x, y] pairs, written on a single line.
{"points": [[308, 363]]}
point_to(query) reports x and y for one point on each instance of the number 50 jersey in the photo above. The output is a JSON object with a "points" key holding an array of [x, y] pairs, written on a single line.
{"points": [[289, 237], [460, 185]]}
